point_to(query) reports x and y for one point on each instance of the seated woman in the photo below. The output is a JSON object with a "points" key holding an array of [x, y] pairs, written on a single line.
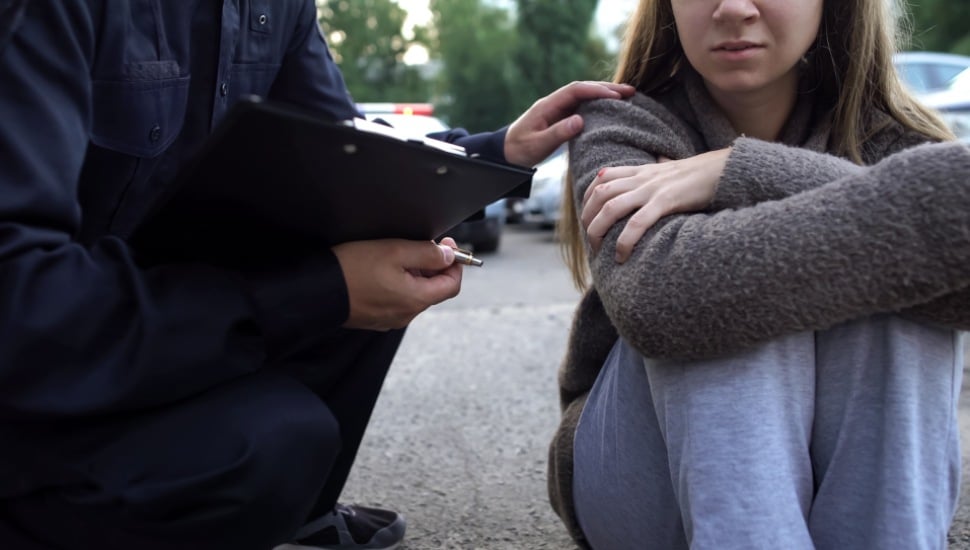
{"points": [[779, 244]]}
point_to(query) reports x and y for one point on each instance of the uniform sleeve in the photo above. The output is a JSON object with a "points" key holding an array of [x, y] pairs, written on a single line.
{"points": [[84, 329], [877, 239]]}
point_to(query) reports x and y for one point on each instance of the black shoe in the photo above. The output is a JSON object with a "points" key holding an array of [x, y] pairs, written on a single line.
{"points": [[352, 527]]}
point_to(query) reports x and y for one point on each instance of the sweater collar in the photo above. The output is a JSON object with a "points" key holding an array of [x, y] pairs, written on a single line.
{"points": [[802, 129]]}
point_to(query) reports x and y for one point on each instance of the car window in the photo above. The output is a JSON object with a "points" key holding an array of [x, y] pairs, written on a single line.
{"points": [[925, 72], [927, 77], [944, 74], [915, 75], [960, 82]]}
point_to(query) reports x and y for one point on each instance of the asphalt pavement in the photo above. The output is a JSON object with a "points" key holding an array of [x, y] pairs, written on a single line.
{"points": [[458, 439]]}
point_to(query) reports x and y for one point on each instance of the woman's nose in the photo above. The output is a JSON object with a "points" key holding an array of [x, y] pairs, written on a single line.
{"points": [[735, 10]]}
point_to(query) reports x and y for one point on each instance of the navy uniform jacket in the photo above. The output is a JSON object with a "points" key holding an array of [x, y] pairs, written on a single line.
{"points": [[100, 102]]}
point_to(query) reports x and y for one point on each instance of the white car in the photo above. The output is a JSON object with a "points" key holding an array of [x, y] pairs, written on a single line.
{"points": [[953, 104], [542, 206], [925, 72]]}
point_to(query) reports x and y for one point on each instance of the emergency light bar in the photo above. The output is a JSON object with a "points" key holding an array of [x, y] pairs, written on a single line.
{"points": [[425, 109]]}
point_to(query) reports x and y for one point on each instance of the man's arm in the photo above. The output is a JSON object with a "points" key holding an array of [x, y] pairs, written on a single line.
{"points": [[387, 282], [85, 329], [550, 121]]}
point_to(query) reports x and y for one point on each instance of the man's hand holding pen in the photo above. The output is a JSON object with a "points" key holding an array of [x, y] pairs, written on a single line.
{"points": [[390, 281]]}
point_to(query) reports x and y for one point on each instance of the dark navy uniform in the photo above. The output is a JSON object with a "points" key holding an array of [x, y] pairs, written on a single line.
{"points": [[177, 405]]}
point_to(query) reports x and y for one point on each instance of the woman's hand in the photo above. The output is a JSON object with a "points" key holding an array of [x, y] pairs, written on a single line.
{"points": [[650, 192]]}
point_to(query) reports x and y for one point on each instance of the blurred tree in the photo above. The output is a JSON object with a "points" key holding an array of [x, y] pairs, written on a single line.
{"points": [[475, 42], [367, 41], [556, 46], [940, 25], [494, 65], [600, 61]]}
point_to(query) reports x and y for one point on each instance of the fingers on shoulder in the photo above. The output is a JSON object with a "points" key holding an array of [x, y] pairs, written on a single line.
{"points": [[589, 89]]}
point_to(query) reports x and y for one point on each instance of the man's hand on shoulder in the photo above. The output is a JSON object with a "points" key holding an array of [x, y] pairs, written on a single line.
{"points": [[552, 120]]}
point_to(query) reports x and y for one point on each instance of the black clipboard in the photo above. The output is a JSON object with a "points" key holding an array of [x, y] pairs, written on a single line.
{"points": [[273, 176]]}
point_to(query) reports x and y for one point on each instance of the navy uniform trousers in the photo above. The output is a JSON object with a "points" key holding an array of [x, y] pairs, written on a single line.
{"points": [[240, 466]]}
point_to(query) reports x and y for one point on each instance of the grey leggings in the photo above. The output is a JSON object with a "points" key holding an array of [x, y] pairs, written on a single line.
{"points": [[841, 439]]}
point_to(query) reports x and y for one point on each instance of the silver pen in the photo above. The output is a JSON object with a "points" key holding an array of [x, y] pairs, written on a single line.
{"points": [[465, 257]]}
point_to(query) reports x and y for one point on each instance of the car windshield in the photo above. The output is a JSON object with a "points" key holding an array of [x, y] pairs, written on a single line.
{"points": [[960, 82], [924, 72]]}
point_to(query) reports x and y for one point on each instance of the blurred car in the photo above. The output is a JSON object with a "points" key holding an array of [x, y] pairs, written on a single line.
{"points": [[513, 209], [483, 231], [953, 104], [925, 72], [542, 206], [414, 118]]}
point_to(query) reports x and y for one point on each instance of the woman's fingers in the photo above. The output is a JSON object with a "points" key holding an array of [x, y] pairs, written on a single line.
{"points": [[606, 175], [627, 197], [648, 192], [640, 222]]}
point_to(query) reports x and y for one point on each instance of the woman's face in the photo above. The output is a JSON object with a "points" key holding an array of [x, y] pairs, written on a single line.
{"points": [[742, 46]]}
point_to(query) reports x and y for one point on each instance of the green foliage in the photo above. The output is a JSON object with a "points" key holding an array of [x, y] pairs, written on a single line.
{"points": [[600, 62], [553, 43], [493, 68], [367, 41], [475, 43], [940, 25]]}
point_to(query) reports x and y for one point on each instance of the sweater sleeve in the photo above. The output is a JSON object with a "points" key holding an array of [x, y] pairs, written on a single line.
{"points": [[654, 297], [890, 237], [759, 171], [625, 133]]}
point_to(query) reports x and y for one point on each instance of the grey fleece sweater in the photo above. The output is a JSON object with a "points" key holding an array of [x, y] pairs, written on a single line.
{"points": [[795, 239]]}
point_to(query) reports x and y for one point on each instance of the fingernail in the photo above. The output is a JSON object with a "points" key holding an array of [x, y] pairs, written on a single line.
{"points": [[600, 173], [575, 123], [447, 254]]}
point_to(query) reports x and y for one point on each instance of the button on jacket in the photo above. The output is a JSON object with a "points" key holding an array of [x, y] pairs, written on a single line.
{"points": [[100, 103]]}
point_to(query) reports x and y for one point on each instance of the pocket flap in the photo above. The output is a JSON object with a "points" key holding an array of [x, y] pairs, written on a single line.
{"points": [[138, 117]]}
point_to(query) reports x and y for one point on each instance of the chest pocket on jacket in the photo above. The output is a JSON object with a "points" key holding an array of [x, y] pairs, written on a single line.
{"points": [[140, 117], [134, 121], [260, 50]]}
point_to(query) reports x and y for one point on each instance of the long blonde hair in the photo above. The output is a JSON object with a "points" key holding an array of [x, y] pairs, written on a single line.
{"points": [[853, 59]]}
